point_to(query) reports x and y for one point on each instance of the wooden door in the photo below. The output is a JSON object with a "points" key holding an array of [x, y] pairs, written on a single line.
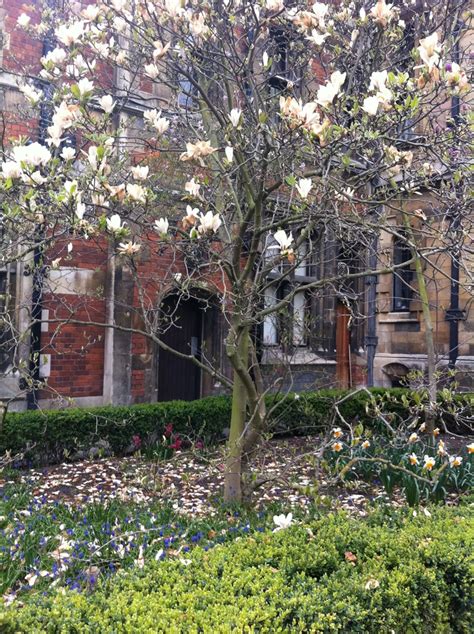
{"points": [[180, 378]]}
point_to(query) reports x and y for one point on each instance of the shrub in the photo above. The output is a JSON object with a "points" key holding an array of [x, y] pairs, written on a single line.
{"points": [[57, 435], [400, 574]]}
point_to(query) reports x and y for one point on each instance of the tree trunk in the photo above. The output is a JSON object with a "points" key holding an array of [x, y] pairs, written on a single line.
{"points": [[233, 467], [430, 414]]}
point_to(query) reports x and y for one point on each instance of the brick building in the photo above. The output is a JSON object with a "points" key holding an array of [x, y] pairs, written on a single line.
{"points": [[94, 365]]}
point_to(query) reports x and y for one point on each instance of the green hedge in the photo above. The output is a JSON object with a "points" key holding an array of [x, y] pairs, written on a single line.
{"points": [[410, 575], [56, 435]]}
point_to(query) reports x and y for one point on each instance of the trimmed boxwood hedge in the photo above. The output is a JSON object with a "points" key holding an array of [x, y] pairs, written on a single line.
{"points": [[407, 574], [59, 434]]}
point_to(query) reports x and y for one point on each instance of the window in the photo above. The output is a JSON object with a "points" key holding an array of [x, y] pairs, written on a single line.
{"points": [[402, 276], [7, 295], [288, 327]]}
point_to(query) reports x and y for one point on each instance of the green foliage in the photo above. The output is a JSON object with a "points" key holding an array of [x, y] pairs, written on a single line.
{"points": [[56, 435], [390, 573]]}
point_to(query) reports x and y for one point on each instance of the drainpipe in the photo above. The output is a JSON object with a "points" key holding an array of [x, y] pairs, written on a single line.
{"points": [[38, 271], [371, 339], [454, 314]]}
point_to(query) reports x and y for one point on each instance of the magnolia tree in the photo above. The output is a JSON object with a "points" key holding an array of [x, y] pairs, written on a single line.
{"points": [[286, 126]]}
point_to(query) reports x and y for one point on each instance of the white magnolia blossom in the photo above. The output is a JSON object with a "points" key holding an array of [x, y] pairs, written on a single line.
{"points": [[154, 118], [23, 20], [234, 116], [72, 34], [34, 154], [282, 521], [229, 153], [382, 13], [36, 177], [91, 12], [192, 188], [377, 84], [152, 71], [191, 216], [456, 77], [72, 189], [274, 5], [209, 222], [80, 210], [85, 86], [160, 50], [327, 93], [136, 192], [173, 7], [303, 187], [429, 51], [317, 38], [140, 172], [114, 223], [285, 241], [371, 105], [162, 226], [128, 248], [56, 56], [107, 103], [33, 96], [11, 169], [197, 150]]}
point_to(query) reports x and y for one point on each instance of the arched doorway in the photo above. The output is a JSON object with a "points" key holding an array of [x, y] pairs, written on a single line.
{"points": [[183, 325]]}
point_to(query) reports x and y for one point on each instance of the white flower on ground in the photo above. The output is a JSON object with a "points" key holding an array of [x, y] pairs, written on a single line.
{"points": [[372, 584], [209, 222], [11, 169], [327, 93], [140, 172], [136, 192], [197, 150], [68, 153], [69, 35], [85, 86], [303, 187], [129, 248], [234, 116], [413, 437], [162, 226], [114, 223], [107, 103], [382, 12], [365, 444], [413, 458], [428, 462], [337, 446], [185, 562], [455, 461], [34, 154], [229, 153], [152, 71], [283, 239], [23, 20], [337, 432], [192, 188], [282, 521]]}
